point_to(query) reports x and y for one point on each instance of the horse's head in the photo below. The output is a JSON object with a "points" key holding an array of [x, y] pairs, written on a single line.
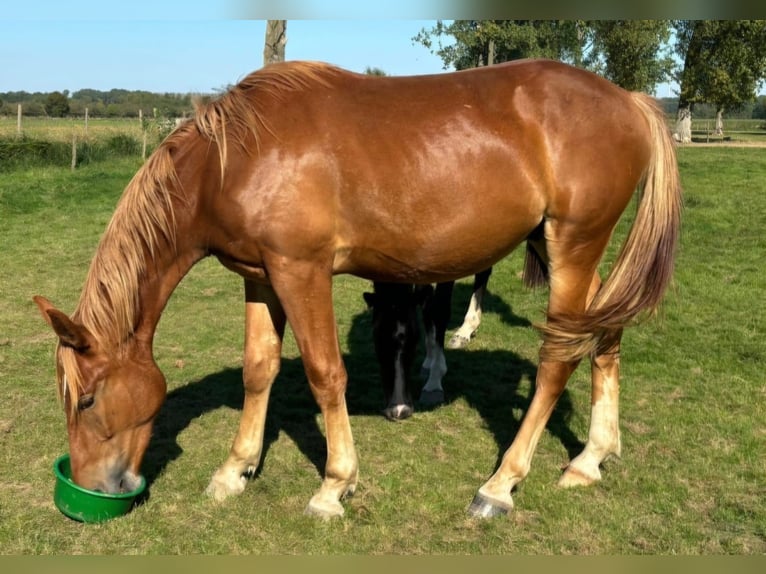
{"points": [[395, 334], [110, 397]]}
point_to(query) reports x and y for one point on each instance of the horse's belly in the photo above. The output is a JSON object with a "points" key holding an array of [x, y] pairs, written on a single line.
{"points": [[435, 253]]}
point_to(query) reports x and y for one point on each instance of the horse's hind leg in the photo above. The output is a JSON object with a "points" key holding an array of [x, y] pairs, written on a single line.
{"points": [[264, 330], [604, 432], [573, 280]]}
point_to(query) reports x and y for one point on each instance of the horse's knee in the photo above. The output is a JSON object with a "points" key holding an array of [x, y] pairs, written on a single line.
{"points": [[258, 373]]}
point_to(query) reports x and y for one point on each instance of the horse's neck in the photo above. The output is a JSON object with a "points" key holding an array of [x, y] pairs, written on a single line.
{"points": [[156, 291], [124, 298]]}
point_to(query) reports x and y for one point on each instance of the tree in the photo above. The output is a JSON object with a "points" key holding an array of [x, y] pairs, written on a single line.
{"points": [[374, 71], [631, 53], [56, 105], [276, 38], [759, 110], [724, 62], [485, 42], [628, 52]]}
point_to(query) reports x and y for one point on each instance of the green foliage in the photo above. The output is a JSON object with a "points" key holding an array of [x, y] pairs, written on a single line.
{"points": [[370, 71], [631, 53], [57, 105], [759, 110], [474, 40], [724, 61], [112, 103], [26, 152], [15, 152]]}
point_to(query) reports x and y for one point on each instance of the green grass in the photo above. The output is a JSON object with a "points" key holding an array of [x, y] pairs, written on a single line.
{"points": [[62, 129], [45, 142], [691, 480]]}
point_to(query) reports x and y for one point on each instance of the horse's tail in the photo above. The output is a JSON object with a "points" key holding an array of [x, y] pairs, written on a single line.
{"points": [[644, 266]]}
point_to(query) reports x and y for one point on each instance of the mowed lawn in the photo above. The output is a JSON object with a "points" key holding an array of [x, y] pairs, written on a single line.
{"points": [[692, 478]]}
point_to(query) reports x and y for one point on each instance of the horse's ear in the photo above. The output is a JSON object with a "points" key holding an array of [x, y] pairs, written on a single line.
{"points": [[70, 334]]}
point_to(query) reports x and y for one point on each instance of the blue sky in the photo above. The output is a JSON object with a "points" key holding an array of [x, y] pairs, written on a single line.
{"points": [[191, 55], [199, 46]]}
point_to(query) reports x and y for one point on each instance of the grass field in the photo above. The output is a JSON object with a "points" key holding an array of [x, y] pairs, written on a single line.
{"points": [[691, 479], [50, 141], [62, 129]]}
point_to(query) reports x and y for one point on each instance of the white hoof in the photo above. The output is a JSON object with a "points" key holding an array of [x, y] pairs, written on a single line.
{"points": [[325, 509], [225, 484], [458, 341], [573, 477]]}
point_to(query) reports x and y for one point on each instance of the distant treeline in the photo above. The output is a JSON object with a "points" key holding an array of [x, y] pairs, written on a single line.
{"points": [[127, 103], [111, 104]]}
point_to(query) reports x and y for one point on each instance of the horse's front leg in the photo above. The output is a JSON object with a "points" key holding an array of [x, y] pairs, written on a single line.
{"points": [[306, 293], [264, 330], [436, 316]]}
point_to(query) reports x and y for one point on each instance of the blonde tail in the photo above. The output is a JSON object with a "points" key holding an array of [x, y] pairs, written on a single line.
{"points": [[645, 264]]}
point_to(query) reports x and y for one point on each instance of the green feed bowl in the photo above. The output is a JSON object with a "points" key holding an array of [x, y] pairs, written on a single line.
{"points": [[86, 505]]}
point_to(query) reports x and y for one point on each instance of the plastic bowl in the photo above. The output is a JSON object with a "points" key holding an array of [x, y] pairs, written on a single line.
{"points": [[86, 505]]}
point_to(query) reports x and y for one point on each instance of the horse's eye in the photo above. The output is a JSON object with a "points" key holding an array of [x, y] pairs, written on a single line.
{"points": [[85, 402]]}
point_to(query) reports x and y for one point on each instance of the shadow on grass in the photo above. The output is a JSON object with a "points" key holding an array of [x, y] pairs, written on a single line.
{"points": [[489, 381]]}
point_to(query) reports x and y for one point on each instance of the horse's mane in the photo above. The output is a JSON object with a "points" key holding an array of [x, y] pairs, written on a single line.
{"points": [[236, 116], [144, 221]]}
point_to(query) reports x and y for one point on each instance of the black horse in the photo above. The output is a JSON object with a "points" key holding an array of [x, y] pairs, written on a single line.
{"points": [[396, 332]]}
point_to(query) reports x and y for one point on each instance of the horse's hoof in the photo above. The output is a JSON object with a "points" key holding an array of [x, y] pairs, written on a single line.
{"points": [[324, 509], [224, 484], [458, 342], [431, 398], [482, 507], [398, 412], [574, 477]]}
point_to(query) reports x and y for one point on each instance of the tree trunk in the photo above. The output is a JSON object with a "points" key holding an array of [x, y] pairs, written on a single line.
{"points": [[683, 131], [719, 122], [687, 95], [276, 38]]}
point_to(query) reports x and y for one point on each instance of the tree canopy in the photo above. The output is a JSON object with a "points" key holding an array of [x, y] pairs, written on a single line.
{"points": [[633, 54], [56, 105], [111, 103], [482, 42], [724, 61]]}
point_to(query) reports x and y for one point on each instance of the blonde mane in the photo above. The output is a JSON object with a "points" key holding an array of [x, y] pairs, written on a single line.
{"points": [[236, 115], [144, 220]]}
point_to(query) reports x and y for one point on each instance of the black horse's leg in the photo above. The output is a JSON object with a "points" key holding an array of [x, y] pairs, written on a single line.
{"points": [[436, 315], [472, 319]]}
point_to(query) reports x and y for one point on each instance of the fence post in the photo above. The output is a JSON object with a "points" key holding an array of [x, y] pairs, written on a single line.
{"points": [[143, 133], [74, 150], [86, 123], [18, 121]]}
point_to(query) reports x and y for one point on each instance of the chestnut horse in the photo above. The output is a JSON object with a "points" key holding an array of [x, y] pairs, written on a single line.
{"points": [[302, 171]]}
